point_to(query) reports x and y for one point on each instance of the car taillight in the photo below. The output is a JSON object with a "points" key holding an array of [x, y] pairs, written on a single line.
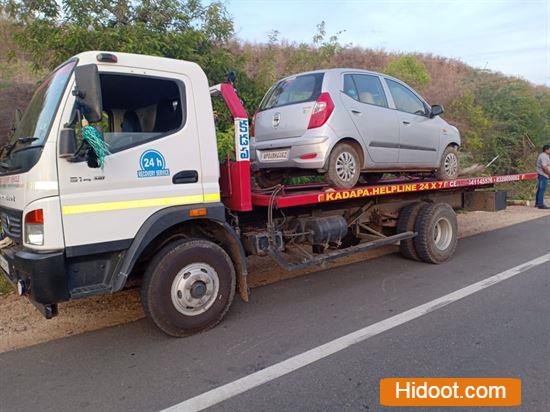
{"points": [[34, 227], [321, 111]]}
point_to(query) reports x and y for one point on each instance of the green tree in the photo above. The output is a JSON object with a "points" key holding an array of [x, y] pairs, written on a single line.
{"points": [[516, 116], [52, 31], [472, 121], [410, 70], [315, 55]]}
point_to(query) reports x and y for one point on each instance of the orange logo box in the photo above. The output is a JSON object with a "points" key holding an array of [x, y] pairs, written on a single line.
{"points": [[450, 392]]}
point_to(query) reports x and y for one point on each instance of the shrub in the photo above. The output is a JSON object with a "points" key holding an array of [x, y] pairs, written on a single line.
{"points": [[410, 70]]}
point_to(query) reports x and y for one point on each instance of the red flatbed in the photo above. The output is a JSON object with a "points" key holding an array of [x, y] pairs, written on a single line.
{"points": [[312, 194]]}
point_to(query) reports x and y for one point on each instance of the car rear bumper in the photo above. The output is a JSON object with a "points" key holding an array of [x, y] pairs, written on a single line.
{"points": [[308, 153], [39, 276]]}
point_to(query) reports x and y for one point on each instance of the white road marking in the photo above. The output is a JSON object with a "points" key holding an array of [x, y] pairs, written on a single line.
{"points": [[229, 390]]}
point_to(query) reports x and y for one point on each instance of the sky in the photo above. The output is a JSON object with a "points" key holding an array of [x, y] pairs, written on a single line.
{"points": [[509, 36]]}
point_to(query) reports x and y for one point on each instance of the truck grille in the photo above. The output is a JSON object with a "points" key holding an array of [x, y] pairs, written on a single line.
{"points": [[10, 221]]}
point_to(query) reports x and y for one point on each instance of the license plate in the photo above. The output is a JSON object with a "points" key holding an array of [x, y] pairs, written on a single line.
{"points": [[4, 264], [275, 155]]}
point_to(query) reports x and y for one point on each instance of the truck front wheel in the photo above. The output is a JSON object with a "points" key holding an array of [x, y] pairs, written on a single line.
{"points": [[188, 287]]}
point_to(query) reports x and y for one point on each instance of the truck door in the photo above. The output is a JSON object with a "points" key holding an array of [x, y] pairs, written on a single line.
{"points": [[150, 125], [365, 100], [419, 134]]}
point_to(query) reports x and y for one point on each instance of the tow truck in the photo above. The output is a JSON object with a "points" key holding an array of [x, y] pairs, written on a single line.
{"points": [[165, 208]]}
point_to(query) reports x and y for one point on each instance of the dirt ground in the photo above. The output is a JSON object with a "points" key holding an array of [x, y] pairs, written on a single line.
{"points": [[21, 324]]}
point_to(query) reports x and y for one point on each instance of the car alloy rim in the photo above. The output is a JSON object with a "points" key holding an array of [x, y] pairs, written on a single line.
{"points": [[443, 233], [451, 165], [195, 288], [345, 166]]}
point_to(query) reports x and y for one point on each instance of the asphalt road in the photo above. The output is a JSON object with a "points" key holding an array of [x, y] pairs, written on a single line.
{"points": [[501, 331]]}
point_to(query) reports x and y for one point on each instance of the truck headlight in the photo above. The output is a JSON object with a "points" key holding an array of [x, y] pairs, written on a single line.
{"points": [[34, 227]]}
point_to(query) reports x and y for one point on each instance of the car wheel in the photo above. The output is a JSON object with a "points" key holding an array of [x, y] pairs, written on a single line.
{"points": [[269, 178], [449, 166], [344, 167], [188, 287]]}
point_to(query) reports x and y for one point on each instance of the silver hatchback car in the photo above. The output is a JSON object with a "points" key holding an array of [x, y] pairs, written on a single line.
{"points": [[346, 123]]}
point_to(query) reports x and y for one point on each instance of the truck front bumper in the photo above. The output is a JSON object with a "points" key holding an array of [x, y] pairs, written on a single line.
{"points": [[39, 276]]}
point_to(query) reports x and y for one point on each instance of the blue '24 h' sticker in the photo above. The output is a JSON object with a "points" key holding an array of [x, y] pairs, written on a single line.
{"points": [[152, 164]]}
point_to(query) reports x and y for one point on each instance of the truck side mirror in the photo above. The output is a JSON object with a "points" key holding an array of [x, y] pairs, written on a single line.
{"points": [[88, 92], [436, 110], [67, 143]]}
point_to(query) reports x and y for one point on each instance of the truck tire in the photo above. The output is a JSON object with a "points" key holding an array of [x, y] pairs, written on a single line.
{"points": [[188, 287], [406, 223], [449, 165], [437, 230], [344, 166]]}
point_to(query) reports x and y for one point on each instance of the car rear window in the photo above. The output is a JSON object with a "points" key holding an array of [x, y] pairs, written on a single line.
{"points": [[297, 89]]}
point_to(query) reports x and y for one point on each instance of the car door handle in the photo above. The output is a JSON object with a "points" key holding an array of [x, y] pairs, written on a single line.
{"points": [[355, 111], [185, 176], [406, 122]]}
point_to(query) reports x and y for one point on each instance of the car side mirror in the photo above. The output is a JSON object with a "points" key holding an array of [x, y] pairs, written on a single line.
{"points": [[436, 110], [88, 92]]}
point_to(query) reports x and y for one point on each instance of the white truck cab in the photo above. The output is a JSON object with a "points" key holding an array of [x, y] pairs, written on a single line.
{"points": [[71, 225]]}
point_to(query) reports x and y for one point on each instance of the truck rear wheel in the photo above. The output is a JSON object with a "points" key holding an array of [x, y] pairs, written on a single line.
{"points": [[437, 230], [188, 287], [406, 223]]}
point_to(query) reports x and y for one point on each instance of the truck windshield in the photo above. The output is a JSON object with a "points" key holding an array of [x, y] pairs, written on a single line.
{"points": [[23, 148]]}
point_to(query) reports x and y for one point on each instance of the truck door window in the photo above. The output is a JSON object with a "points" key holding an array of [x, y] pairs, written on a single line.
{"points": [[139, 109]]}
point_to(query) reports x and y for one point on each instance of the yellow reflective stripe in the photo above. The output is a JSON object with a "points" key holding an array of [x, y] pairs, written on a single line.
{"points": [[212, 197], [136, 204]]}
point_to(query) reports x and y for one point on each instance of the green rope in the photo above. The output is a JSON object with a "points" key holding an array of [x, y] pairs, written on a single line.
{"points": [[94, 139]]}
